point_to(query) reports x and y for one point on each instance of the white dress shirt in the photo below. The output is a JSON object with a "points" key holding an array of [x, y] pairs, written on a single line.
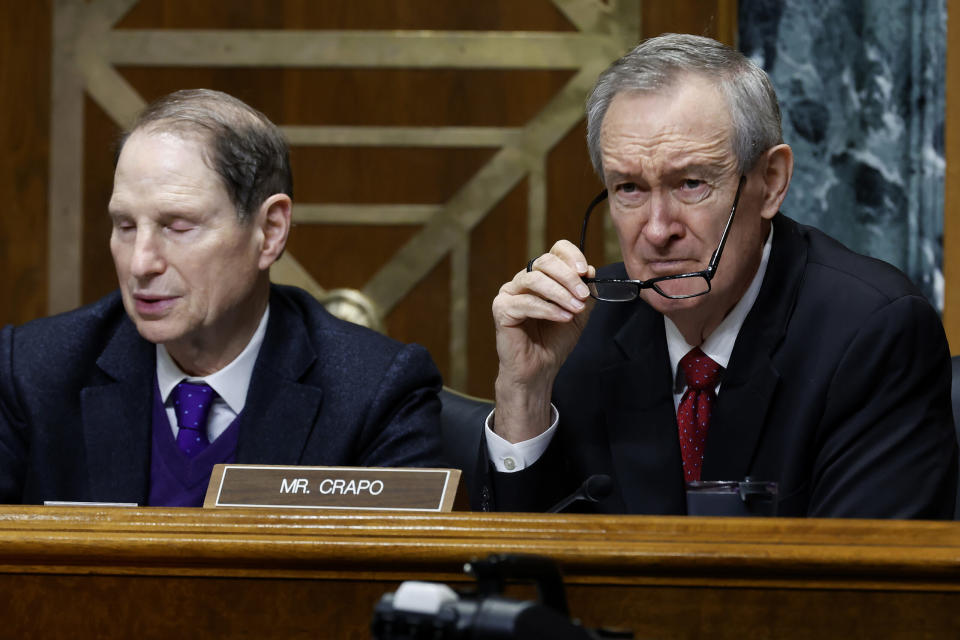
{"points": [[230, 383], [510, 457]]}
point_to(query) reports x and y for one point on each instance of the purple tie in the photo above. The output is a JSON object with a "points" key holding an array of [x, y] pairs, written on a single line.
{"points": [[191, 403]]}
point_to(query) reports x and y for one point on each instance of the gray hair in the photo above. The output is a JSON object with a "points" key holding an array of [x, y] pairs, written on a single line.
{"points": [[242, 146], [657, 64]]}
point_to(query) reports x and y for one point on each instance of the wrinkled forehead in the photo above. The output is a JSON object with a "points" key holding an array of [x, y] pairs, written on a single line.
{"points": [[687, 123], [684, 99]]}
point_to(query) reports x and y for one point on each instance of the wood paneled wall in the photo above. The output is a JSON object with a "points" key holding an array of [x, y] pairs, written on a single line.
{"points": [[335, 255], [24, 145]]}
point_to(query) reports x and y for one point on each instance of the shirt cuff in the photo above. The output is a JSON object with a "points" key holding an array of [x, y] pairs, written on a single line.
{"points": [[509, 457]]}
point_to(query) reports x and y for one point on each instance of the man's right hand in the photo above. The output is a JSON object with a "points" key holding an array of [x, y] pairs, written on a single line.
{"points": [[539, 316]]}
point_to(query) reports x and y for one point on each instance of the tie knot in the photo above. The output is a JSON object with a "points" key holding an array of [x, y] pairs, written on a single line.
{"points": [[699, 370], [191, 403]]}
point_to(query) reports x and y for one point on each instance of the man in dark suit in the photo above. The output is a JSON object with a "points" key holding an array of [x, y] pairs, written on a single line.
{"points": [[198, 359], [731, 342]]}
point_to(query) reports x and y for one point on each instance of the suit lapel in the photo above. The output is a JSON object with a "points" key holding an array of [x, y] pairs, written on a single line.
{"points": [[749, 384], [117, 419], [738, 420], [280, 412], [640, 417]]}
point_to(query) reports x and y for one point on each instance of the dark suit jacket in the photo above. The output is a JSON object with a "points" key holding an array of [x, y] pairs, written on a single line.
{"points": [[76, 394], [838, 388]]}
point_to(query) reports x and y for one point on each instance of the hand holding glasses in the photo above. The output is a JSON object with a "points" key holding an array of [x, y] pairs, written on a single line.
{"points": [[675, 287]]}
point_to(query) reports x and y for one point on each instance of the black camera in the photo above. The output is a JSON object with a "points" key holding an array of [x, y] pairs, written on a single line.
{"points": [[428, 610]]}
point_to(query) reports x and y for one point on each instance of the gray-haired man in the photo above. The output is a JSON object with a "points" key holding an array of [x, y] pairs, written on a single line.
{"points": [[731, 342]]}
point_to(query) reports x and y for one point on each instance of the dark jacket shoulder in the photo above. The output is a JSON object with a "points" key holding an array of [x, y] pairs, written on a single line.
{"points": [[851, 271], [292, 302], [65, 346]]}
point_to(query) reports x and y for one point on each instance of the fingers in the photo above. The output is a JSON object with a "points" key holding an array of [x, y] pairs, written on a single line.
{"points": [[563, 267], [551, 289], [512, 309], [567, 253]]}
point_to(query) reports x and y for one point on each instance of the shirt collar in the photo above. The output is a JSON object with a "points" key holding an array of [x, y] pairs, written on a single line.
{"points": [[719, 344], [230, 383]]}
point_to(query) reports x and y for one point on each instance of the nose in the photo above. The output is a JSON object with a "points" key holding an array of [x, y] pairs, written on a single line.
{"points": [[147, 259], [662, 225]]}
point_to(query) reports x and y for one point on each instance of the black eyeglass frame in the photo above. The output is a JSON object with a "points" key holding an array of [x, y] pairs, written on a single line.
{"points": [[707, 274]]}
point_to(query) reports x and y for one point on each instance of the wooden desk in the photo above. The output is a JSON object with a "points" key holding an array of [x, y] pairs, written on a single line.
{"points": [[152, 573]]}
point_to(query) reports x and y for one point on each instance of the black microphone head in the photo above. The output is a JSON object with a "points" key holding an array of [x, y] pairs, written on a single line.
{"points": [[597, 487]]}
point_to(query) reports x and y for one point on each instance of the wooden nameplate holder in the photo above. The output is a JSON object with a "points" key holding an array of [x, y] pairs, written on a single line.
{"points": [[364, 488]]}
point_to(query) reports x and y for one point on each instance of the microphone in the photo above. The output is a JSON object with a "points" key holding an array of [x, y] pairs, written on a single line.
{"points": [[594, 489]]}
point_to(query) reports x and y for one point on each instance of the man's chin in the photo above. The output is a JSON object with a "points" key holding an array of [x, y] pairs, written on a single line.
{"points": [[158, 331], [668, 306]]}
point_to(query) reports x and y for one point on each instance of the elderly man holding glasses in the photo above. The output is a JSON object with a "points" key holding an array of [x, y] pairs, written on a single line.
{"points": [[731, 342]]}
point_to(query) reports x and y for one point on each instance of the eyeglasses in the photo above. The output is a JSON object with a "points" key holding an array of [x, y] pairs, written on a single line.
{"points": [[675, 287]]}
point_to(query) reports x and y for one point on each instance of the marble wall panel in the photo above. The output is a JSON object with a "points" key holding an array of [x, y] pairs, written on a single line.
{"points": [[861, 87]]}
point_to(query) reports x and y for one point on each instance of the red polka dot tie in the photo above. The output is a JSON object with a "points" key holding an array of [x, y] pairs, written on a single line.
{"points": [[696, 405], [191, 403]]}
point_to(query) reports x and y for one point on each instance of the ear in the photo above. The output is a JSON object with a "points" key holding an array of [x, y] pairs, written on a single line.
{"points": [[776, 169], [274, 220]]}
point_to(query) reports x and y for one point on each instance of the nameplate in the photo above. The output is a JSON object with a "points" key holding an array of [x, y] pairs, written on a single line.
{"points": [[365, 488]]}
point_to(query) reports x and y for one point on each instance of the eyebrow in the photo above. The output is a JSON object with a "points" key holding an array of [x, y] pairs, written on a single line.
{"points": [[618, 175], [706, 170]]}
